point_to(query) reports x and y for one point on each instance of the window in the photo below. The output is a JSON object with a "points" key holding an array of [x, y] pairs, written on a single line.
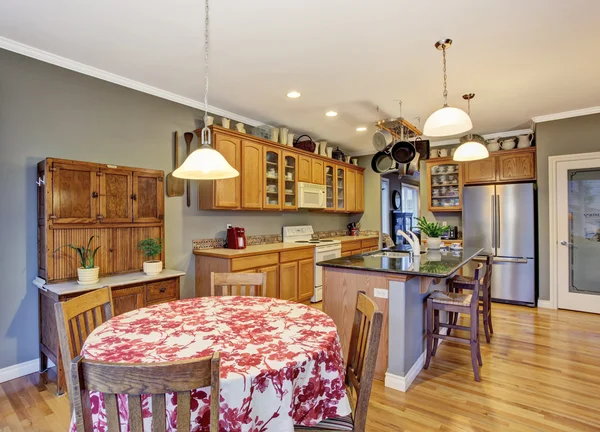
{"points": [[410, 199]]}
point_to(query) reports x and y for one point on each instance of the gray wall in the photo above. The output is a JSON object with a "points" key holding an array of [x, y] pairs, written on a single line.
{"points": [[46, 111], [560, 137]]}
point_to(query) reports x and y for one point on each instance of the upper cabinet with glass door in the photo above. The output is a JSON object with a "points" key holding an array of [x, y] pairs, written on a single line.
{"points": [[340, 184], [272, 197], [290, 181], [445, 185], [330, 187]]}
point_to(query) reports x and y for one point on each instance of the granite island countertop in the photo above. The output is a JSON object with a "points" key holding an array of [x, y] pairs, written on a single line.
{"points": [[440, 263]]}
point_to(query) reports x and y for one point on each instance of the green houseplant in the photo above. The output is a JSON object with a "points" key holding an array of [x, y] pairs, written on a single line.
{"points": [[87, 272], [433, 230], [151, 248]]}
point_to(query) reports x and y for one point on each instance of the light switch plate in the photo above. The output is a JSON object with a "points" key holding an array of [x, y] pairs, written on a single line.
{"points": [[380, 293]]}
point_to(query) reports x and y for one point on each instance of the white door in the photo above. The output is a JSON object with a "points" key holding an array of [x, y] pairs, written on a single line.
{"points": [[578, 234], [385, 206]]}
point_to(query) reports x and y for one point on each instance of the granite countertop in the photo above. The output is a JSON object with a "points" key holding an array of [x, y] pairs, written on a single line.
{"points": [[251, 250], [353, 238], [437, 264], [72, 286]]}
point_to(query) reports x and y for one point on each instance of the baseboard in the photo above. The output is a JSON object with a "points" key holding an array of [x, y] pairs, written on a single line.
{"points": [[402, 383], [21, 369], [545, 304]]}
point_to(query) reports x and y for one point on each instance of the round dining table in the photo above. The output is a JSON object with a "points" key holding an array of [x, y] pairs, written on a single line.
{"points": [[281, 362]]}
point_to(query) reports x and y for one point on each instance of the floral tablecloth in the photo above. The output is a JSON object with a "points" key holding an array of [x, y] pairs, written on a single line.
{"points": [[281, 362]]}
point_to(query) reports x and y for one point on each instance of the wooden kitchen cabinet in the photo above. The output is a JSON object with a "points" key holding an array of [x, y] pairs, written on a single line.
{"points": [[74, 193], [360, 192], [444, 177], [126, 299], [330, 188], [148, 197], [318, 171], [290, 181], [272, 184], [272, 273], [304, 169], [518, 166], [350, 190], [116, 191], [252, 176], [480, 171], [340, 186], [306, 279], [223, 194], [288, 281]]}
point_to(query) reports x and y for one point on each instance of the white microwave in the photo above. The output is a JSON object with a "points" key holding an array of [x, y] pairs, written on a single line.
{"points": [[311, 195]]}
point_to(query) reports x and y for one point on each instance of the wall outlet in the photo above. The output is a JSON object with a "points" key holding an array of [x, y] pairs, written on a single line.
{"points": [[229, 226], [380, 293]]}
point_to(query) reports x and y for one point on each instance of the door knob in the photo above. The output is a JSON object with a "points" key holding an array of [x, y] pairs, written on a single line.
{"points": [[566, 243]]}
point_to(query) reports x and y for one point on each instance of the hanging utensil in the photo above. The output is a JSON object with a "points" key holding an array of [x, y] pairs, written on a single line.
{"points": [[403, 151], [382, 163], [175, 185], [188, 136]]}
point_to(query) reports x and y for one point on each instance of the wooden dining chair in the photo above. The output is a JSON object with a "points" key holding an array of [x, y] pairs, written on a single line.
{"points": [[360, 369], [462, 303], [238, 284], [75, 320], [136, 379]]}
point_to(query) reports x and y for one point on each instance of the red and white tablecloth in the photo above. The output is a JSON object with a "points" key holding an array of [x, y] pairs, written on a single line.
{"points": [[281, 362]]}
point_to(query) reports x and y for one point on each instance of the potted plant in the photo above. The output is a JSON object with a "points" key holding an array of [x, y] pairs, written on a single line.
{"points": [[87, 272], [151, 248], [432, 230]]}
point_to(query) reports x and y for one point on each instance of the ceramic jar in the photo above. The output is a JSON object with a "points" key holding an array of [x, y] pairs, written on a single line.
{"points": [[493, 145], [525, 141], [508, 143], [322, 147], [290, 139], [225, 122], [443, 152], [283, 135]]}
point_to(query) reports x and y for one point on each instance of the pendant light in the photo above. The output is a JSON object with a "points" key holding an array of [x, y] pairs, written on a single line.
{"points": [[447, 120], [472, 148], [205, 163]]}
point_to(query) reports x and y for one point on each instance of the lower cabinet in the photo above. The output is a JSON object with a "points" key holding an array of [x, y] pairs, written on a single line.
{"points": [[306, 279], [272, 280], [357, 247], [288, 281], [127, 299]]}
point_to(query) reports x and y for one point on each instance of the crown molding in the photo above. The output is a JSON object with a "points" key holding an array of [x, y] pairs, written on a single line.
{"points": [[47, 57], [486, 136], [567, 114]]}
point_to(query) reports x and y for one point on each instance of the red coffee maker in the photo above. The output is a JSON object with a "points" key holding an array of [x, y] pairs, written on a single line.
{"points": [[236, 238]]}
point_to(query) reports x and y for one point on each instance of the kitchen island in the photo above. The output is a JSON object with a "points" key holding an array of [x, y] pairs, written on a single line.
{"points": [[399, 283]]}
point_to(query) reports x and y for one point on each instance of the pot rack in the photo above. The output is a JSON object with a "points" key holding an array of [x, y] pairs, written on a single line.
{"points": [[396, 126]]}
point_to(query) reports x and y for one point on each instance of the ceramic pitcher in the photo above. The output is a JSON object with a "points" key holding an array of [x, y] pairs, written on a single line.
{"points": [[493, 145], [525, 141], [508, 143], [443, 152]]}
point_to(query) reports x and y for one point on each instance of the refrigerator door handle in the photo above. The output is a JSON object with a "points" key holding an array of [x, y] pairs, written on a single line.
{"points": [[511, 260], [498, 221], [493, 218]]}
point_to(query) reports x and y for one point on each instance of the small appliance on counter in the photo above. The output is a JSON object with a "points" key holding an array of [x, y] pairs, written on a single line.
{"points": [[236, 238]]}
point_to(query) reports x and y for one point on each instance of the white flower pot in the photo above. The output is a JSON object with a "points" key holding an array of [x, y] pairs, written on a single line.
{"points": [[434, 242], [153, 267], [87, 276]]}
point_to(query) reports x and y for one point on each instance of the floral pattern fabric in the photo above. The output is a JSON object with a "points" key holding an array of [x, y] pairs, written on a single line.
{"points": [[281, 362]]}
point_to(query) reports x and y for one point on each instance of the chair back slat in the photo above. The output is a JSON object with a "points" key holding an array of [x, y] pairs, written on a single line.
{"points": [[362, 355], [476, 289], [112, 412], [238, 284], [183, 411], [159, 413], [487, 279], [136, 379]]}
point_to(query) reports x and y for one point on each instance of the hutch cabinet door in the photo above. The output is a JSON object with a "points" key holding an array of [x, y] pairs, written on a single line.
{"points": [[305, 169], [318, 171], [74, 193], [350, 190], [116, 189], [148, 197], [445, 185], [360, 191], [306, 279], [520, 166], [480, 171], [340, 184], [330, 188], [127, 299], [272, 168], [288, 281], [252, 175], [227, 192], [272, 280], [290, 181]]}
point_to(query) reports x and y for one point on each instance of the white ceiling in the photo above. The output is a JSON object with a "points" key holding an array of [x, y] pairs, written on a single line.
{"points": [[520, 58]]}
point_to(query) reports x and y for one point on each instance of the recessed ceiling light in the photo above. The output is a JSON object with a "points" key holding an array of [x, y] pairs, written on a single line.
{"points": [[294, 94], [330, 113], [361, 129]]}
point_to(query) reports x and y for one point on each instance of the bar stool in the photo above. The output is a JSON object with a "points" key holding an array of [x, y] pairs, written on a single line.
{"points": [[456, 303], [485, 298]]}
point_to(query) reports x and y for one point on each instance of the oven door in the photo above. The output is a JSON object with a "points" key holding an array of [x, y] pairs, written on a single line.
{"points": [[325, 254]]}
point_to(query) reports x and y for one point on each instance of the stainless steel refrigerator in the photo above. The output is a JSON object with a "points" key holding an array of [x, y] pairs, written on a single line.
{"points": [[501, 219]]}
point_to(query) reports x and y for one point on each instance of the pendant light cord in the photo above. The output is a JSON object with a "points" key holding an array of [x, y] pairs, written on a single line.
{"points": [[205, 130], [445, 75]]}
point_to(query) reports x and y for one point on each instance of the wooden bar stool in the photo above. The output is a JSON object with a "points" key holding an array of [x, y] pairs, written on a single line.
{"points": [[485, 298], [457, 303]]}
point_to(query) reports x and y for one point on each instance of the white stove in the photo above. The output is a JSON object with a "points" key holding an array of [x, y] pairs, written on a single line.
{"points": [[325, 249]]}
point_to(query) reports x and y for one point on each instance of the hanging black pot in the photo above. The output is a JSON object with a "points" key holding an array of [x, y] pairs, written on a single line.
{"points": [[403, 152], [382, 163]]}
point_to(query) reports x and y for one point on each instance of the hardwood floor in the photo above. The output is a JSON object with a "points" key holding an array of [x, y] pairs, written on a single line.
{"points": [[541, 373]]}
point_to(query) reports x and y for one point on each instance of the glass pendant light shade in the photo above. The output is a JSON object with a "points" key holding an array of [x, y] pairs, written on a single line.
{"points": [[447, 121], [471, 151], [205, 164]]}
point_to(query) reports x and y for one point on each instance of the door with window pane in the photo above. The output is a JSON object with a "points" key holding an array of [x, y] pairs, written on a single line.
{"points": [[578, 220]]}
